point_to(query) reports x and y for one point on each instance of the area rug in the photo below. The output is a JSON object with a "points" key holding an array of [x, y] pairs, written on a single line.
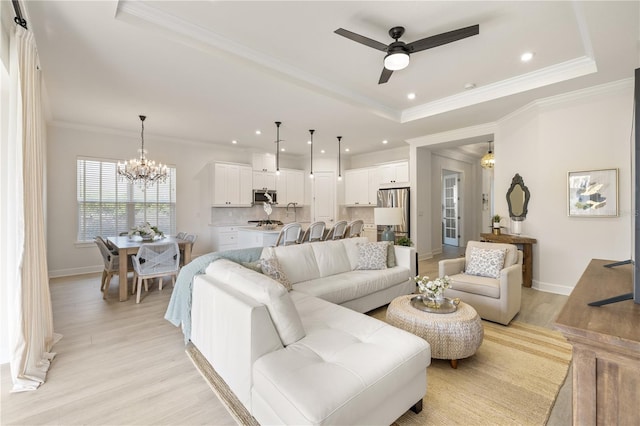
{"points": [[513, 378]]}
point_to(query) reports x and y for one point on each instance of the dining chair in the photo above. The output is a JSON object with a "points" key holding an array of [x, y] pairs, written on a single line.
{"points": [[289, 234], [315, 232], [181, 235], [155, 260], [354, 228], [192, 239], [111, 261], [336, 232]]}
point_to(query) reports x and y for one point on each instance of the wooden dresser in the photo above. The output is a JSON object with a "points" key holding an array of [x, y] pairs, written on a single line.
{"points": [[606, 347], [527, 252]]}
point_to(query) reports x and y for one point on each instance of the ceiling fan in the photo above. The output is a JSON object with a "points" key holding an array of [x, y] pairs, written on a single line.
{"points": [[398, 52]]}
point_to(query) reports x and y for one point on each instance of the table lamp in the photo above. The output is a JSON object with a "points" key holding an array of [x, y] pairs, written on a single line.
{"points": [[389, 217]]}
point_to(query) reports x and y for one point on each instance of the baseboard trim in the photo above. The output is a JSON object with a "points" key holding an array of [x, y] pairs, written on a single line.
{"points": [[75, 271], [552, 288]]}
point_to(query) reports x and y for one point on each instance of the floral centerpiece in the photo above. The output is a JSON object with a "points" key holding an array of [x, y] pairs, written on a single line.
{"points": [[145, 232], [433, 289]]}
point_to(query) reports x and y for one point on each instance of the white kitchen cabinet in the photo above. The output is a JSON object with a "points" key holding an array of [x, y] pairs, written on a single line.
{"points": [[264, 180], [370, 231], [264, 162], [232, 185], [290, 187], [224, 238], [360, 187], [393, 173]]}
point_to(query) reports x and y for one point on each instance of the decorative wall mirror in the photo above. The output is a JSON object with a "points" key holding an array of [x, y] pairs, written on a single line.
{"points": [[518, 198]]}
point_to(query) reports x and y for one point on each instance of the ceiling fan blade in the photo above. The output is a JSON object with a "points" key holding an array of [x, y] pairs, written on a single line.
{"points": [[444, 38], [361, 39], [384, 77]]}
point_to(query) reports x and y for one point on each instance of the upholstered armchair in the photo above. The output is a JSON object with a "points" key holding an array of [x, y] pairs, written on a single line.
{"points": [[489, 278]]}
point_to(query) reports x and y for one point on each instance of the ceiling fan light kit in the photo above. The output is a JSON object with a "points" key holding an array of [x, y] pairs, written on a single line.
{"points": [[398, 52]]}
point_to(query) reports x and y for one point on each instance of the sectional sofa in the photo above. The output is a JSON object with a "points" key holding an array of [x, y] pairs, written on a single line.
{"points": [[299, 351]]}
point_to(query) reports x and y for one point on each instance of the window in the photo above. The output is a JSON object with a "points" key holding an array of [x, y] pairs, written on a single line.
{"points": [[109, 205]]}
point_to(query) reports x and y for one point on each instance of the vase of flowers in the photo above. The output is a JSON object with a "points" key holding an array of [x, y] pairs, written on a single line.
{"points": [[145, 232], [268, 210], [433, 290]]}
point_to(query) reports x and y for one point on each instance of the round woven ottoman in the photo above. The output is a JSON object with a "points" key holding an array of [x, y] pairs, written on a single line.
{"points": [[451, 336]]}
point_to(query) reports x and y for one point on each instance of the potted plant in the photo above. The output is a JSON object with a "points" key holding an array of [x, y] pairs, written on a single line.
{"points": [[496, 224], [404, 241]]}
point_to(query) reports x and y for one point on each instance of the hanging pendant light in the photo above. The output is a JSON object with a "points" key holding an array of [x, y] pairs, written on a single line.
{"points": [[142, 171], [339, 165], [278, 123], [311, 161], [488, 161]]}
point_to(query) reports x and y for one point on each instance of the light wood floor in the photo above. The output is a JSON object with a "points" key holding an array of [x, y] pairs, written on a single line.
{"points": [[119, 363]]}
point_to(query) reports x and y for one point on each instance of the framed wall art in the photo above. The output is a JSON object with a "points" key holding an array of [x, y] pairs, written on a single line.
{"points": [[593, 193]]}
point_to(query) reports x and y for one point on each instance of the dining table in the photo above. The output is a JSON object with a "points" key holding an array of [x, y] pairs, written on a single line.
{"points": [[128, 247]]}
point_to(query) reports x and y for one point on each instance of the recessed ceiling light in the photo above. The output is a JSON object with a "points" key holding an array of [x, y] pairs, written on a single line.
{"points": [[322, 151], [526, 56], [282, 149], [258, 132], [385, 141], [411, 96], [346, 150], [234, 141], [469, 86], [308, 142]]}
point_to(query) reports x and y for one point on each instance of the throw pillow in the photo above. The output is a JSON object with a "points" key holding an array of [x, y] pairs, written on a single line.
{"points": [[271, 268], [485, 262], [255, 266], [391, 255], [372, 255]]}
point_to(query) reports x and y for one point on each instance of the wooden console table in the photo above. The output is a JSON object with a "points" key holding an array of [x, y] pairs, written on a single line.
{"points": [[527, 252], [606, 347]]}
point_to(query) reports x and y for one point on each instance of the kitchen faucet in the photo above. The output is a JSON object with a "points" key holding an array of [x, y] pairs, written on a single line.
{"points": [[294, 210]]}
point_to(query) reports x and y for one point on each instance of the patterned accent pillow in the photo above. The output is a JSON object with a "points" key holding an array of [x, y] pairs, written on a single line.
{"points": [[485, 262], [271, 267], [372, 255]]}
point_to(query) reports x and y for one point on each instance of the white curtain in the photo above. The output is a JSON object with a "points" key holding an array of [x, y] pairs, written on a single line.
{"points": [[30, 316]]}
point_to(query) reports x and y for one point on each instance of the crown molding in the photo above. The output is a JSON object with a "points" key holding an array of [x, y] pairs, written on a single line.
{"points": [[197, 36], [554, 74], [453, 135]]}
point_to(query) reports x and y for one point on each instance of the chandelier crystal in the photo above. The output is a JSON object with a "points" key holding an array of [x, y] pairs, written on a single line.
{"points": [[488, 161], [142, 171]]}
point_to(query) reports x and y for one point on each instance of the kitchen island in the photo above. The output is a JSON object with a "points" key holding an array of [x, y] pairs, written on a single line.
{"points": [[257, 236]]}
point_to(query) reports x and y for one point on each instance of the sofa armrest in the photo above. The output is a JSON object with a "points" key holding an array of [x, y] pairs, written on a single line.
{"points": [[232, 331], [451, 266], [406, 257]]}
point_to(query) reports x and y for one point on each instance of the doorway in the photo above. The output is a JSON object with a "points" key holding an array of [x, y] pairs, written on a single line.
{"points": [[324, 197], [450, 208]]}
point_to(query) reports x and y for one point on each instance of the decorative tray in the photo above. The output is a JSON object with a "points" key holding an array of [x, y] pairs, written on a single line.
{"points": [[425, 304]]}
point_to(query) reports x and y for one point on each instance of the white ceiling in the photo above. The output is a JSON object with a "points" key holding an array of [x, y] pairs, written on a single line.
{"points": [[215, 71]]}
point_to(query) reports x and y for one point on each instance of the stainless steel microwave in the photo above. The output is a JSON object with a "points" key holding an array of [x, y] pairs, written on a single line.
{"points": [[260, 196]]}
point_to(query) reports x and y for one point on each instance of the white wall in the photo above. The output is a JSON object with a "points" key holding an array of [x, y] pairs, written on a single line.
{"points": [[585, 130], [66, 143]]}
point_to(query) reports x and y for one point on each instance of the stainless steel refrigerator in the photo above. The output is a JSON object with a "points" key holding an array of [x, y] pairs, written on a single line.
{"points": [[395, 197]]}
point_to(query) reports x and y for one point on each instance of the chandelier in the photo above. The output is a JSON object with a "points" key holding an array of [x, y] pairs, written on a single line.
{"points": [[142, 171], [488, 161]]}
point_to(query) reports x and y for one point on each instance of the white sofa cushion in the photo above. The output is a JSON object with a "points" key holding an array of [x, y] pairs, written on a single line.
{"points": [[264, 290], [340, 369], [353, 284], [351, 247], [331, 257], [298, 261]]}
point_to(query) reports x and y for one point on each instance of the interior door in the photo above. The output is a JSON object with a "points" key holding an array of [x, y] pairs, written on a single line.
{"points": [[450, 202], [324, 187]]}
